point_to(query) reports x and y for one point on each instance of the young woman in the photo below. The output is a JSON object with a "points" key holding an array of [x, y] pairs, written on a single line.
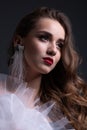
{"points": [[42, 54]]}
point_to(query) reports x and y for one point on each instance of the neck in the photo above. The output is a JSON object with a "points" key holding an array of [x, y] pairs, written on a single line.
{"points": [[34, 81], [34, 84]]}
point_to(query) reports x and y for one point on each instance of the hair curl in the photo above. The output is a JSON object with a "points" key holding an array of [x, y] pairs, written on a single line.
{"points": [[62, 84]]}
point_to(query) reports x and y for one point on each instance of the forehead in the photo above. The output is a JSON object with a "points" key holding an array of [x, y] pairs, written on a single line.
{"points": [[50, 25]]}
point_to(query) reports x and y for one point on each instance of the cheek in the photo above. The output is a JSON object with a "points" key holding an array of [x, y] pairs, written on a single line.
{"points": [[58, 57], [29, 49], [32, 51]]}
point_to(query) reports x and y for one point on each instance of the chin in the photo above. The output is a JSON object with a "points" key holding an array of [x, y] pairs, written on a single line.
{"points": [[46, 71]]}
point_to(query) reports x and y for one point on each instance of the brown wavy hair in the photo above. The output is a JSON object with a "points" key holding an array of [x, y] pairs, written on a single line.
{"points": [[62, 84]]}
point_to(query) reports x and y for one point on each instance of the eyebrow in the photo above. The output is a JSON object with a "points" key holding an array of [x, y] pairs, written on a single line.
{"points": [[50, 35]]}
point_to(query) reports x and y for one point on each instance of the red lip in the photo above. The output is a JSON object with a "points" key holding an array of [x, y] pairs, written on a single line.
{"points": [[48, 61]]}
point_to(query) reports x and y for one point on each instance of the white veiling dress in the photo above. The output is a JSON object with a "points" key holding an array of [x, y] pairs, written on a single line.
{"points": [[15, 110]]}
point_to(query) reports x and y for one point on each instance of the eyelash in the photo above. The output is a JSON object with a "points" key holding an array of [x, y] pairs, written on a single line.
{"points": [[43, 37], [59, 45]]}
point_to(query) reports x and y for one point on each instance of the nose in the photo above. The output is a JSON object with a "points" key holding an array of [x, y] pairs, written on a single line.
{"points": [[52, 50]]}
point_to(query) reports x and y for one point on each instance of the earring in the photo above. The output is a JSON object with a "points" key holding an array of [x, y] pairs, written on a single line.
{"points": [[17, 65]]}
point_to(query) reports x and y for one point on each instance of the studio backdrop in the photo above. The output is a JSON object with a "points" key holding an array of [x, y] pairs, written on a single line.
{"points": [[12, 11]]}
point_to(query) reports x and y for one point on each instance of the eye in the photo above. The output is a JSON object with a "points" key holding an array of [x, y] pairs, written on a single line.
{"points": [[43, 37], [59, 45]]}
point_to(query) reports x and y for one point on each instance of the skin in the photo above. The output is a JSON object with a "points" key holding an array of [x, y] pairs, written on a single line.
{"points": [[45, 40]]}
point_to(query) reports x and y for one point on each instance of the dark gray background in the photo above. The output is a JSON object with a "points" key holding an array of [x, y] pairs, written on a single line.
{"points": [[12, 11]]}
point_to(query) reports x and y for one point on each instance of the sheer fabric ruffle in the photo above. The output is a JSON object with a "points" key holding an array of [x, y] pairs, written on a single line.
{"points": [[17, 113]]}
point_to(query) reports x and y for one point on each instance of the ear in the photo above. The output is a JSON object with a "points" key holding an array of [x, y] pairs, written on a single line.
{"points": [[17, 40]]}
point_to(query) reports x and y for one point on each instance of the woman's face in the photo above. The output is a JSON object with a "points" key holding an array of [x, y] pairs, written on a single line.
{"points": [[42, 45]]}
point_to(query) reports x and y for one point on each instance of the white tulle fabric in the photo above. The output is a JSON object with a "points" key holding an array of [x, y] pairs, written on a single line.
{"points": [[16, 112]]}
